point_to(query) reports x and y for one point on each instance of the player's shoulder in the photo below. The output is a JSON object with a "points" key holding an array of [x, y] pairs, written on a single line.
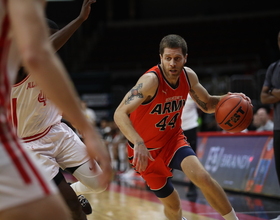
{"points": [[148, 83], [190, 73], [149, 77], [189, 70]]}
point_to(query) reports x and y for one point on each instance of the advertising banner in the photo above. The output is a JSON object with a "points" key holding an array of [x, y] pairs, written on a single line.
{"points": [[239, 162]]}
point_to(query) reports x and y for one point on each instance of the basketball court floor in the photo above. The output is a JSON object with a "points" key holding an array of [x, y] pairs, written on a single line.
{"points": [[129, 199]]}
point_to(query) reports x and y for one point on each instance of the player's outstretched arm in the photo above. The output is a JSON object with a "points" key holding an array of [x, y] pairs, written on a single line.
{"points": [[59, 38], [206, 102], [200, 95]]}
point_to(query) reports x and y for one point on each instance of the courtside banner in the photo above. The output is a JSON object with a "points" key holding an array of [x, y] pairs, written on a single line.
{"points": [[240, 161]]}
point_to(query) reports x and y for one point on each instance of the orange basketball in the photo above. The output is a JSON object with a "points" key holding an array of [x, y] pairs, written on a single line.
{"points": [[234, 113]]}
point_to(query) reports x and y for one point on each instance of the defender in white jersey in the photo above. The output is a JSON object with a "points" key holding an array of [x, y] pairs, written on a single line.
{"points": [[24, 192], [32, 113], [38, 124]]}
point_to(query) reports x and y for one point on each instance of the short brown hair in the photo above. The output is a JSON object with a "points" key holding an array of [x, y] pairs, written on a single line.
{"points": [[173, 41]]}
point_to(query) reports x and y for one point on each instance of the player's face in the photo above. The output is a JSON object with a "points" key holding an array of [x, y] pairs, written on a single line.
{"points": [[172, 62]]}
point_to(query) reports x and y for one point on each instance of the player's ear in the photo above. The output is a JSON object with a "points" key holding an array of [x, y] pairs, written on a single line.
{"points": [[160, 58], [186, 58]]}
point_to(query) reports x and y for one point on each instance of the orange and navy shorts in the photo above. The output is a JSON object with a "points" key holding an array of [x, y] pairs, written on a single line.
{"points": [[158, 172]]}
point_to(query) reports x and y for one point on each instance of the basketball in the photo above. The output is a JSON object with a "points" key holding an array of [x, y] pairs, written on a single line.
{"points": [[234, 113]]}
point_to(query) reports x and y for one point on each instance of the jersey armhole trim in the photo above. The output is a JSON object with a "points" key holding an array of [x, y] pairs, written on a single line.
{"points": [[148, 102]]}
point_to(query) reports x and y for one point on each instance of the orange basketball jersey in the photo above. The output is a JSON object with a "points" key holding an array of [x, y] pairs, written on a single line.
{"points": [[159, 120]]}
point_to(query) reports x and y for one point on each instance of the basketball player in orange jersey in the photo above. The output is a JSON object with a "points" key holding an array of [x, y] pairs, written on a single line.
{"points": [[38, 123], [25, 192], [150, 118]]}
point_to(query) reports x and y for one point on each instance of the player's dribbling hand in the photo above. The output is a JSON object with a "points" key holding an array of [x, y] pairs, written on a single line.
{"points": [[243, 95]]}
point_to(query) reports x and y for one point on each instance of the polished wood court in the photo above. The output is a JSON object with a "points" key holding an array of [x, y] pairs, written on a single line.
{"points": [[127, 201], [123, 203]]}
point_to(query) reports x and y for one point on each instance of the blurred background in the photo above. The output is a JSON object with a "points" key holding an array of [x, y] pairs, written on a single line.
{"points": [[231, 43]]}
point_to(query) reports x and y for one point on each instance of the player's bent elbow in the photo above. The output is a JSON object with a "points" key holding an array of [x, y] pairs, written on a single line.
{"points": [[117, 117]]}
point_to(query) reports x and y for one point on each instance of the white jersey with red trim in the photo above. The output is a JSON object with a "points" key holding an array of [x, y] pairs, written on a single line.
{"points": [[32, 112]]}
